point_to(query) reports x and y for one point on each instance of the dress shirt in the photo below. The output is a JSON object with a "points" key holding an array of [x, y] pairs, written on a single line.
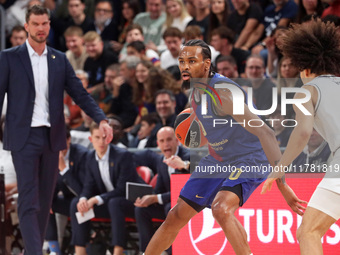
{"points": [[103, 164], [170, 171], [66, 159], [41, 116]]}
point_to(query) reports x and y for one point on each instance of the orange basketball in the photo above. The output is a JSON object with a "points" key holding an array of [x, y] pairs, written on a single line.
{"points": [[188, 129]]}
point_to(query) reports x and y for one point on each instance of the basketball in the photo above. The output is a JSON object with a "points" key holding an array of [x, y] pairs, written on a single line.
{"points": [[188, 129]]}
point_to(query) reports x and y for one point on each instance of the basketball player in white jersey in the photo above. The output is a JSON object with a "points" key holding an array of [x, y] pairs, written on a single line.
{"points": [[315, 49]]}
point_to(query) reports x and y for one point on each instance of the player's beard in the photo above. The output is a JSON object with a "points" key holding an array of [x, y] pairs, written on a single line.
{"points": [[39, 39], [186, 84]]}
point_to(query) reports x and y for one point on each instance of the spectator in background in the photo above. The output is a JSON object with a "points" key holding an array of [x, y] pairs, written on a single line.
{"points": [[18, 36], [190, 6], [104, 24], [76, 52], [316, 154], [243, 21], [176, 16], [99, 58], [151, 22], [135, 33], [137, 48], [108, 168], [173, 159], [119, 137], [282, 133], [146, 136], [130, 8], [332, 9], [123, 105], [74, 119], [201, 17], [173, 40], [222, 39], [289, 75], [309, 7], [76, 17], [280, 13], [262, 87], [219, 13], [226, 65], [165, 107], [194, 32]]}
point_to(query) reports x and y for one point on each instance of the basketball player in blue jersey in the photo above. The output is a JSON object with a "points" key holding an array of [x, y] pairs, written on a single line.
{"points": [[235, 146], [314, 48]]}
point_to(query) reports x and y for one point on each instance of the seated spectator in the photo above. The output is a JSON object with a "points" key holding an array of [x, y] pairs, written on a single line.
{"points": [[274, 54], [173, 40], [74, 118], [70, 181], [219, 14], [194, 32], [173, 159], [176, 16], [119, 136], [165, 107], [108, 168], [146, 136], [130, 8], [222, 39], [262, 87], [76, 52], [289, 75], [99, 58], [76, 17], [280, 13], [314, 156], [123, 104], [104, 23], [151, 21], [201, 17], [226, 65], [18, 36], [309, 7], [137, 48], [134, 32], [243, 21]]}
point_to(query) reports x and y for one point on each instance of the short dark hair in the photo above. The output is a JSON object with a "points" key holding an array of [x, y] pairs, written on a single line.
{"points": [[105, 1], [172, 32], [224, 33], [222, 58], [151, 118], [138, 45], [166, 91], [206, 52], [192, 32], [36, 10], [18, 28], [314, 45], [134, 26]]}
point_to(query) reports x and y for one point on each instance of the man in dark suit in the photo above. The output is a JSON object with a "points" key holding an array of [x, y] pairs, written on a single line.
{"points": [[108, 168], [174, 159], [72, 162], [34, 77]]}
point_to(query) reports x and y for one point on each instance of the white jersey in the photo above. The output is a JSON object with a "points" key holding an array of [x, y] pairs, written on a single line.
{"points": [[327, 123]]}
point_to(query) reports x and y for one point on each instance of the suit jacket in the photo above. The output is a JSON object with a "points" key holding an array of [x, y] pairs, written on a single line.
{"points": [[155, 162], [16, 79], [122, 169], [71, 183]]}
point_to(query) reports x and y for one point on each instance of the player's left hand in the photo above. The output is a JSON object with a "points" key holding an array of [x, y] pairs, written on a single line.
{"points": [[292, 200], [107, 130], [267, 186]]}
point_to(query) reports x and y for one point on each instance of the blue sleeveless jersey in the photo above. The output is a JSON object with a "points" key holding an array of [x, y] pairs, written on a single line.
{"points": [[226, 143]]}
